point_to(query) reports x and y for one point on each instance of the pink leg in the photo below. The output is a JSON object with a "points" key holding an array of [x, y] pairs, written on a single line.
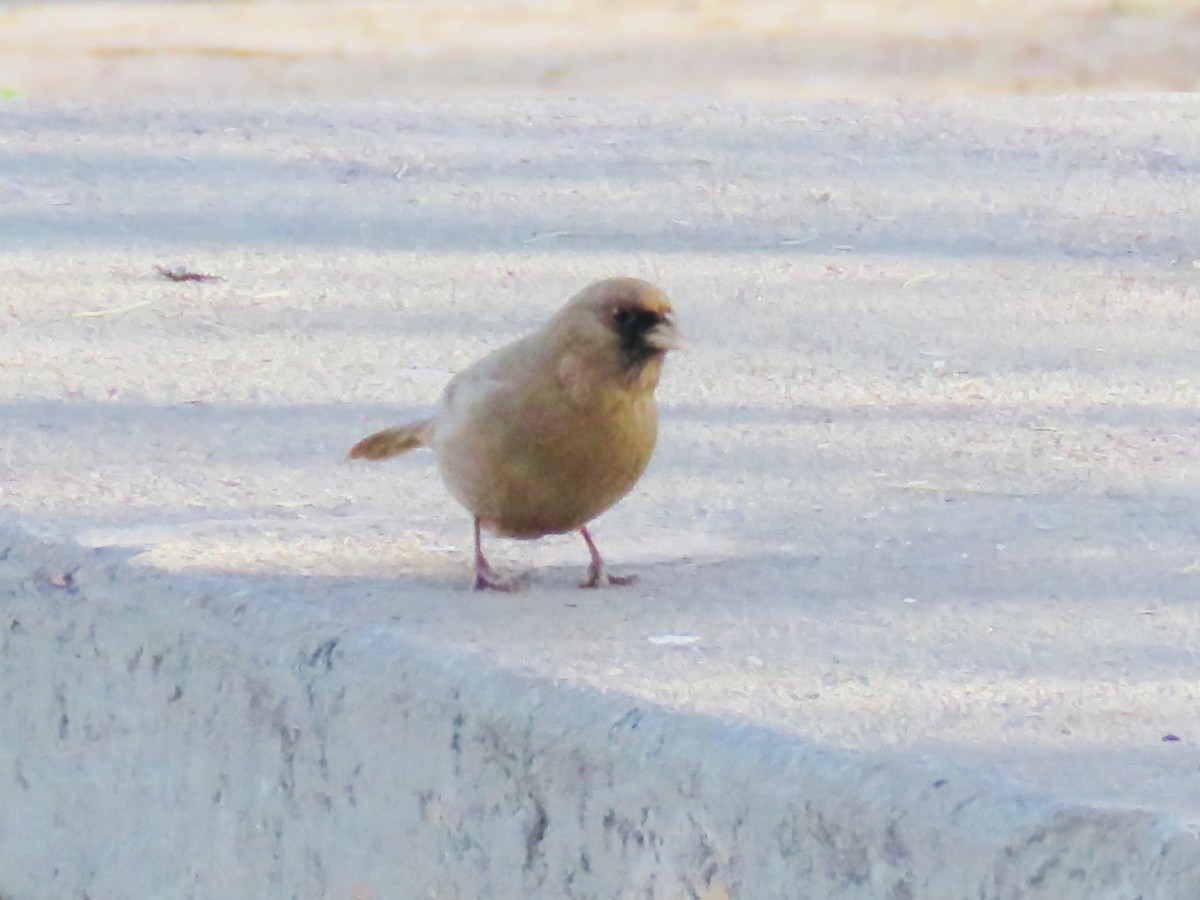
{"points": [[486, 578], [597, 575]]}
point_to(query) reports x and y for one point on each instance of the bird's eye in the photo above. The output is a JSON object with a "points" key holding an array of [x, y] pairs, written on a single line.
{"points": [[623, 316]]}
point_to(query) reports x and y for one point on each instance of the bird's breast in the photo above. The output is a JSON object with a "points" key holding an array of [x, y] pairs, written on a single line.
{"points": [[547, 464]]}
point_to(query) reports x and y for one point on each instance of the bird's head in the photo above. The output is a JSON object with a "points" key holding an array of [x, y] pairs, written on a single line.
{"points": [[629, 318]]}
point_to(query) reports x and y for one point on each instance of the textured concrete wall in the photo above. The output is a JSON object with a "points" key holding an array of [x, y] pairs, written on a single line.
{"points": [[174, 737]]}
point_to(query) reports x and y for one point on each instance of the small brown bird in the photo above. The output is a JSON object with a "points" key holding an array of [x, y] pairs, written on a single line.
{"points": [[546, 433]]}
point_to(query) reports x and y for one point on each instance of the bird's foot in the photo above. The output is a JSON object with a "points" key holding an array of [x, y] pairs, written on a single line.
{"points": [[599, 578], [488, 580]]}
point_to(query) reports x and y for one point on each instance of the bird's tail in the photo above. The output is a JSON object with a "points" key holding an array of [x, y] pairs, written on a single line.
{"points": [[393, 441]]}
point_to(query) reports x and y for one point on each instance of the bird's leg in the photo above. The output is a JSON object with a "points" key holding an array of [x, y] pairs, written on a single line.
{"points": [[598, 576], [486, 578]]}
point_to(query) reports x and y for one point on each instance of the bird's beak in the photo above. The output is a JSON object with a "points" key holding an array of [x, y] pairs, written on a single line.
{"points": [[665, 336]]}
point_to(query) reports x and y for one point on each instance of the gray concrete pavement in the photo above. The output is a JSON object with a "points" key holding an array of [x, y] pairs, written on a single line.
{"points": [[923, 503]]}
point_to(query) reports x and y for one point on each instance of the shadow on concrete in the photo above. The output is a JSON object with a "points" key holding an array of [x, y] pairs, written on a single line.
{"points": [[906, 180], [1075, 532]]}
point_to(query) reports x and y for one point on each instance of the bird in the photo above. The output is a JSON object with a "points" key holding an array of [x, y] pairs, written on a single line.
{"points": [[547, 432]]}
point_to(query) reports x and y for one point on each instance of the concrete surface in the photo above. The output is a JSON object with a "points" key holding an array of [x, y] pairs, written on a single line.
{"points": [[391, 49], [918, 550], [182, 739]]}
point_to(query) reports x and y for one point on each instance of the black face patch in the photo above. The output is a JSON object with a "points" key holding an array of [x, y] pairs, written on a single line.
{"points": [[632, 324]]}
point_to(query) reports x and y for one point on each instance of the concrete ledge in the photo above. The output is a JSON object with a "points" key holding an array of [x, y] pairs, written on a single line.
{"points": [[174, 736]]}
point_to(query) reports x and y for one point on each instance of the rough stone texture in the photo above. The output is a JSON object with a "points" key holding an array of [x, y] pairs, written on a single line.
{"points": [[923, 516], [166, 739]]}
